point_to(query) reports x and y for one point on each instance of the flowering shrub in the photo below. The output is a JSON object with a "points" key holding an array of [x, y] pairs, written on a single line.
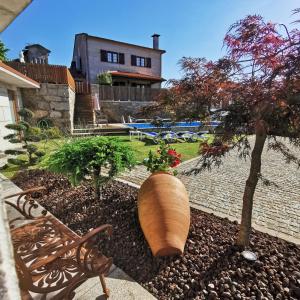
{"points": [[214, 149], [165, 159]]}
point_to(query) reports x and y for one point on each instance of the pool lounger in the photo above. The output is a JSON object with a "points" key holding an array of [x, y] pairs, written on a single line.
{"points": [[170, 137], [149, 137], [189, 136], [154, 137], [150, 134]]}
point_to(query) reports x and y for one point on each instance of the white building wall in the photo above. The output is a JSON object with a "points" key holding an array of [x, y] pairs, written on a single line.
{"points": [[6, 114]]}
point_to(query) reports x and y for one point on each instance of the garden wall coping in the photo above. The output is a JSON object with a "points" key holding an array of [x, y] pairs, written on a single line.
{"points": [[9, 289]]}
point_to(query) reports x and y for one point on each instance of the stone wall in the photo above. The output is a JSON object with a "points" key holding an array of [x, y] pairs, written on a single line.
{"points": [[53, 101], [114, 110]]}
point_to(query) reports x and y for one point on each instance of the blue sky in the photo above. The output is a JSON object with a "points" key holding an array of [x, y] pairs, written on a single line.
{"points": [[187, 27]]}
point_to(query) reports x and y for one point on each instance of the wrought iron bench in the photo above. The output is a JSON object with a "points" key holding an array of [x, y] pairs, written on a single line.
{"points": [[52, 260]]}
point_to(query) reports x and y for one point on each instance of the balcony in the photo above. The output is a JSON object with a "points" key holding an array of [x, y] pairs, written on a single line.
{"points": [[118, 93], [124, 93]]}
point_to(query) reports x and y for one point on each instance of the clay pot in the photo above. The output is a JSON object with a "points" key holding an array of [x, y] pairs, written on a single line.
{"points": [[164, 213]]}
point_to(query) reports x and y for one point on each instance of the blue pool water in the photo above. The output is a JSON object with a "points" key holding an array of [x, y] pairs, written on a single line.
{"points": [[168, 125]]}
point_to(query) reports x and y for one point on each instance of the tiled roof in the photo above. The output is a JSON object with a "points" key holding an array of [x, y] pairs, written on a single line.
{"points": [[136, 76], [123, 43]]}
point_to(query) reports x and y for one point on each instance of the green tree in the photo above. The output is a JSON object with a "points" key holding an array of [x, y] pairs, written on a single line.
{"points": [[3, 51], [99, 158], [25, 136], [257, 91]]}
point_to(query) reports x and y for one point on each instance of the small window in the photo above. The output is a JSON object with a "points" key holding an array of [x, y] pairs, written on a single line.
{"points": [[112, 57], [115, 57], [109, 57], [138, 61]]}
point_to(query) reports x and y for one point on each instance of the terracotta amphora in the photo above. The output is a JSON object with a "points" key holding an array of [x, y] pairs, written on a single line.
{"points": [[164, 213]]}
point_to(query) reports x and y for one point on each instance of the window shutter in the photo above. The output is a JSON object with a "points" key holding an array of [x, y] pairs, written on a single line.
{"points": [[121, 58], [148, 62], [133, 60], [103, 55]]}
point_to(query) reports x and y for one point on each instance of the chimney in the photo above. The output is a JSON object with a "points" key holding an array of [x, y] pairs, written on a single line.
{"points": [[155, 37]]}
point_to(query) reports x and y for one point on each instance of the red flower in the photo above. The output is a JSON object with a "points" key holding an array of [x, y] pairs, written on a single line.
{"points": [[175, 163], [172, 152]]}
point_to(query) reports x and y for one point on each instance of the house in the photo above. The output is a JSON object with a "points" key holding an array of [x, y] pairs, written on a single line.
{"points": [[136, 74], [11, 83], [129, 64], [36, 54]]}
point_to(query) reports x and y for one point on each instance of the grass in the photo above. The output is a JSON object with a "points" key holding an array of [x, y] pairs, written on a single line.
{"points": [[187, 150], [46, 146]]}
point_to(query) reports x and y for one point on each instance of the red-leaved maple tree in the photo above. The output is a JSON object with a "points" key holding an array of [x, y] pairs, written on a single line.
{"points": [[256, 90]]}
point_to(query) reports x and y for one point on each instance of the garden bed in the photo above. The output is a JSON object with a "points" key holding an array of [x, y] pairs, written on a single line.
{"points": [[211, 267]]}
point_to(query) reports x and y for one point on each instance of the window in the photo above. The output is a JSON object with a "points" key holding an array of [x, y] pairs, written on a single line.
{"points": [[112, 57], [141, 61]]}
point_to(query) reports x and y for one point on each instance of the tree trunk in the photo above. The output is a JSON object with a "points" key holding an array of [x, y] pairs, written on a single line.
{"points": [[255, 169], [97, 171]]}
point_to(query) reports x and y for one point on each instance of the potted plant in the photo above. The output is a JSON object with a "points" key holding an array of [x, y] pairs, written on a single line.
{"points": [[163, 204]]}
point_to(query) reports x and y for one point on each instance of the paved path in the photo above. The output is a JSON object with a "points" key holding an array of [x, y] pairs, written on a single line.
{"points": [[276, 210]]}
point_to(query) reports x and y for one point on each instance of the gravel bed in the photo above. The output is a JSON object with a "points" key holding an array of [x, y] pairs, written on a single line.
{"points": [[212, 266]]}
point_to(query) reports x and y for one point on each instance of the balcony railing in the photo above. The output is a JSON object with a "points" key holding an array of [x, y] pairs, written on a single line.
{"points": [[124, 93]]}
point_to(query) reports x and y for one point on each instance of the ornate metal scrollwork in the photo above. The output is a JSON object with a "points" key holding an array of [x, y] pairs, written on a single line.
{"points": [[52, 260], [25, 205]]}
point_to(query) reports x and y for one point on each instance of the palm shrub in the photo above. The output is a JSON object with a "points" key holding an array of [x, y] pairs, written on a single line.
{"points": [[99, 158], [24, 135], [104, 79], [3, 52]]}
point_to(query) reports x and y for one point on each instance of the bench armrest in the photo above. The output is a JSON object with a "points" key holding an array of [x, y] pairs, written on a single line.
{"points": [[25, 205], [93, 261], [86, 252], [26, 192]]}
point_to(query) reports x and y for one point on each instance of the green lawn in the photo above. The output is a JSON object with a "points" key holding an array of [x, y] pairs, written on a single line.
{"points": [[187, 150]]}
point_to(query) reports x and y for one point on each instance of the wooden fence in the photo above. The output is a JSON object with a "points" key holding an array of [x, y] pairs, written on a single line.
{"points": [[82, 87], [123, 93], [44, 73]]}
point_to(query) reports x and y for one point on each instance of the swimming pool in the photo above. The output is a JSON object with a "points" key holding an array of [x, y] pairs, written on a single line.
{"points": [[165, 125], [169, 125]]}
